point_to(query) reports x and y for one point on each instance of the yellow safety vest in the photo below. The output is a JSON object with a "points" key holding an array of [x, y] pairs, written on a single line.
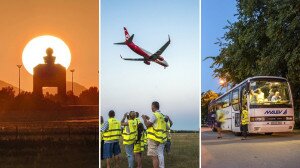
{"points": [[130, 132], [145, 138], [220, 116], [245, 118], [137, 121], [158, 131], [139, 146], [114, 130], [101, 134]]}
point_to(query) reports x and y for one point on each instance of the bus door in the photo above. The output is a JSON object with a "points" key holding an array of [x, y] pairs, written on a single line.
{"points": [[235, 112]]}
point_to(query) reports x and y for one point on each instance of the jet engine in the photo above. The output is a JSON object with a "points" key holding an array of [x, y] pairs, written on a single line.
{"points": [[147, 62], [161, 59]]}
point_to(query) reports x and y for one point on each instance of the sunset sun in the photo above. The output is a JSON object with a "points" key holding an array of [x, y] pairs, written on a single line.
{"points": [[35, 50]]}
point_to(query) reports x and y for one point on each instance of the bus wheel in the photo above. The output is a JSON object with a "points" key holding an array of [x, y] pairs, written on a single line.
{"points": [[269, 133], [237, 133]]}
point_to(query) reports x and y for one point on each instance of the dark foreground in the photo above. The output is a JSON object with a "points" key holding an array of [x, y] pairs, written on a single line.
{"points": [[184, 153], [276, 151], [49, 145]]}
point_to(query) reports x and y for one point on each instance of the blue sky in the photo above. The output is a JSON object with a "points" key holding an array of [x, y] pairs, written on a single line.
{"points": [[129, 85], [215, 14]]}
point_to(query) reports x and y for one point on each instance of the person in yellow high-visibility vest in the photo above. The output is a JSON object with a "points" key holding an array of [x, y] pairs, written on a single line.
{"points": [[129, 136], [156, 135], [137, 118], [168, 143], [139, 145], [111, 130], [220, 120], [244, 122]]}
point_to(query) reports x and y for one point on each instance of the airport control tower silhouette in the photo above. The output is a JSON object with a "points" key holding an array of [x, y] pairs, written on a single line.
{"points": [[49, 75]]}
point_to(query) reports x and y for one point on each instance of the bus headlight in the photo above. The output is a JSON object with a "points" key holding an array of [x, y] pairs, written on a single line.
{"points": [[289, 118], [257, 119]]}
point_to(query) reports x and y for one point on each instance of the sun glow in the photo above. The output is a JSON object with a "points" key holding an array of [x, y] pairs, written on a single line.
{"points": [[35, 50]]}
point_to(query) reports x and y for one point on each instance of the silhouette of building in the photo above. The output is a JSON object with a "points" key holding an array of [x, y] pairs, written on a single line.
{"points": [[49, 75]]}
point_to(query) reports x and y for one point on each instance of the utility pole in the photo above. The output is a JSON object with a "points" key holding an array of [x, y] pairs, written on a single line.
{"points": [[72, 71], [19, 66]]}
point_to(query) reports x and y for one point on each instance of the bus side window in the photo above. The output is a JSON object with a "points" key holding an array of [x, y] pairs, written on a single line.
{"points": [[235, 100]]}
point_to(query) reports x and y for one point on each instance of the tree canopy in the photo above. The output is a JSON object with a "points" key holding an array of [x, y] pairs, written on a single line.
{"points": [[206, 97], [265, 40]]}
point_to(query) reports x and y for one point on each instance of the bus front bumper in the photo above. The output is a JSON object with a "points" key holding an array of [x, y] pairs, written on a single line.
{"points": [[268, 127]]}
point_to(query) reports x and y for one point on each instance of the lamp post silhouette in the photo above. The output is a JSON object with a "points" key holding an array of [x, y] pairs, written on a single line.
{"points": [[72, 70], [19, 66]]}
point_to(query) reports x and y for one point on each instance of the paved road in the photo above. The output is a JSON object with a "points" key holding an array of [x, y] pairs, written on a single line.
{"points": [[259, 151]]}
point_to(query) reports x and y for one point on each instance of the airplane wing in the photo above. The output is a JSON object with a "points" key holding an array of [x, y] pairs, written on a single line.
{"points": [[133, 59], [160, 51]]}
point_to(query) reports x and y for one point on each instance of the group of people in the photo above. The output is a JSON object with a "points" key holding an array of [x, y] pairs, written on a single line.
{"points": [[259, 97], [218, 119], [136, 139]]}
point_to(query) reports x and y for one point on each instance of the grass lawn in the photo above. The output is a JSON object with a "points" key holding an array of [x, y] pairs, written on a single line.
{"points": [[184, 153]]}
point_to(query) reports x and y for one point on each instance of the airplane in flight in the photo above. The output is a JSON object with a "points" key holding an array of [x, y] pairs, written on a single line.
{"points": [[148, 57]]}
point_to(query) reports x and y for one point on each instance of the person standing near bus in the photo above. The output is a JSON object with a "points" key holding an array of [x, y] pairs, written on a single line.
{"points": [[244, 122], [220, 120], [129, 136], [111, 135]]}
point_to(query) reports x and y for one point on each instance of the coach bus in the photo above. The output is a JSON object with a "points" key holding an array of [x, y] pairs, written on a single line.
{"points": [[268, 100]]}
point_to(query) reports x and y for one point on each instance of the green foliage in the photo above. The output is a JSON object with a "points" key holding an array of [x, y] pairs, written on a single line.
{"points": [[206, 98], [263, 41]]}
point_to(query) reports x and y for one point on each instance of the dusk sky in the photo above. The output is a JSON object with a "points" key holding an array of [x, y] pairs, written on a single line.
{"points": [[76, 22], [132, 85], [215, 14]]}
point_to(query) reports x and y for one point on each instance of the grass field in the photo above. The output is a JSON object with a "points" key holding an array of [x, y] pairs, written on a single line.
{"points": [[49, 145], [184, 153]]}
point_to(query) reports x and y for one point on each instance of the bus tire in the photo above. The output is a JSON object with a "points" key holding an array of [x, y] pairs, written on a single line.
{"points": [[268, 133]]}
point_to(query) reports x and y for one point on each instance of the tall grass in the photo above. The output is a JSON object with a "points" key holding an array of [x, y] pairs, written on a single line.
{"points": [[184, 153]]}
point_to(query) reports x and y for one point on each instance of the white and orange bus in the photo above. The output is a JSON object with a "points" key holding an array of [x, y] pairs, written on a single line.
{"points": [[269, 102]]}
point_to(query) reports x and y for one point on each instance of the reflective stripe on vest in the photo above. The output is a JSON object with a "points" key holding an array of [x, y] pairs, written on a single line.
{"points": [[114, 130], [137, 121], [245, 118], [101, 134], [139, 146], [158, 131], [130, 133]]}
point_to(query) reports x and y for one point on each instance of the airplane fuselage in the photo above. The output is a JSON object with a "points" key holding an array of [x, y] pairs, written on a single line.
{"points": [[146, 54]]}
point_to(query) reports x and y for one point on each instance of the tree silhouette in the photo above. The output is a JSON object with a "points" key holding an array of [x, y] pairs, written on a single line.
{"points": [[89, 97]]}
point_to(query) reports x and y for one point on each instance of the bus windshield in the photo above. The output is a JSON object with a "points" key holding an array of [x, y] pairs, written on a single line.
{"points": [[269, 93]]}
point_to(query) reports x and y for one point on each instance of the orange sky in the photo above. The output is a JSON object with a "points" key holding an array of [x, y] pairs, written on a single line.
{"points": [[74, 21]]}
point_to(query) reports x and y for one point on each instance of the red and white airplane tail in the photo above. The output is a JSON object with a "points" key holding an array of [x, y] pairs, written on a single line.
{"points": [[128, 38]]}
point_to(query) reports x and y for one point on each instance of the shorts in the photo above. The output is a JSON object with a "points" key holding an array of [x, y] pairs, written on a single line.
{"points": [[152, 148], [218, 124], [111, 149], [244, 128]]}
